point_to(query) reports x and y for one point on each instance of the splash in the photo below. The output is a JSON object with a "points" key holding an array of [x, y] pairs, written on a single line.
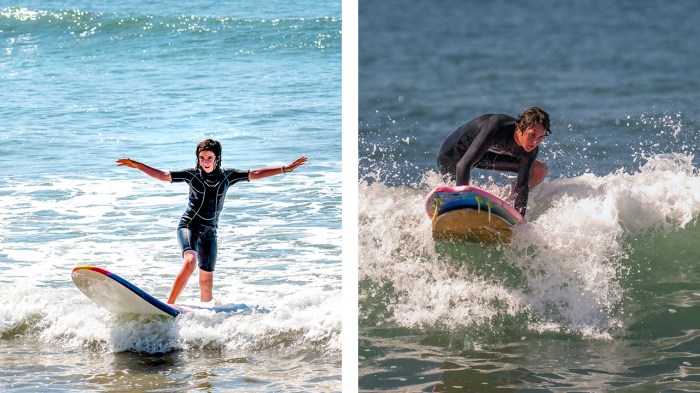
{"points": [[306, 322], [562, 271]]}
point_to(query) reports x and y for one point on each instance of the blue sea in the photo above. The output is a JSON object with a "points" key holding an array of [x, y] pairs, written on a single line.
{"points": [[599, 288], [83, 83]]}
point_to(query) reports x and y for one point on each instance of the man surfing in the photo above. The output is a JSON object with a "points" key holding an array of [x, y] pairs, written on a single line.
{"points": [[498, 142]]}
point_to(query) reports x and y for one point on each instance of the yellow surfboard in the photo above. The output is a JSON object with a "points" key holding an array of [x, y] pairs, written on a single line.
{"points": [[472, 225]]}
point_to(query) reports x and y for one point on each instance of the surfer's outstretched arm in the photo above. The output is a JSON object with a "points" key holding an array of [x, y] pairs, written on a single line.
{"points": [[266, 172], [152, 172]]}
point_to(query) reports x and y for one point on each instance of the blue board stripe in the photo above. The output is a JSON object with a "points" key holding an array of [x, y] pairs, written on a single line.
{"points": [[473, 204]]}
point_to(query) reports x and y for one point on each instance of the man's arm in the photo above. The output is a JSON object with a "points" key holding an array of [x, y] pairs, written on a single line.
{"points": [[152, 172], [522, 183], [267, 172], [478, 147]]}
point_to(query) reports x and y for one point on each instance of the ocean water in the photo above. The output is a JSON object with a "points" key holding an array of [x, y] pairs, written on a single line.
{"points": [[599, 289], [83, 83]]}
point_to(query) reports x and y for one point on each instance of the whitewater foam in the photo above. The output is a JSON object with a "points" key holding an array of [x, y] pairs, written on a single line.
{"points": [[570, 254]]}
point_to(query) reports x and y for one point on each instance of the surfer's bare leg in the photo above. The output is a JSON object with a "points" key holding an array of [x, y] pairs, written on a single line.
{"points": [[538, 173], [188, 265], [206, 284]]}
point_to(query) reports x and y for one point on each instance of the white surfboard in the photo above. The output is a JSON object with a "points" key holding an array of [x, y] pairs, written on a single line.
{"points": [[117, 294], [120, 296]]}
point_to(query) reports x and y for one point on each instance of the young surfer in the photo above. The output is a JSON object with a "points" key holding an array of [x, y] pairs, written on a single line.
{"points": [[498, 142], [197, 229]]}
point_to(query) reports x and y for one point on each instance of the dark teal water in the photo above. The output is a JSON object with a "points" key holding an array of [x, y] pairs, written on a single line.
{"points": [[600, 289]]}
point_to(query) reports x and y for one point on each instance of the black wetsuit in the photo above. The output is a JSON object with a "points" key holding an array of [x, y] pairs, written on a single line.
{"points": [[197, 228], [488, 142]]}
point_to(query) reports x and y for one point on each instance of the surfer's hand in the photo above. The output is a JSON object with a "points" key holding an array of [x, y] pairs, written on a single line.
{"points": [[300, 161], [127, 162]]}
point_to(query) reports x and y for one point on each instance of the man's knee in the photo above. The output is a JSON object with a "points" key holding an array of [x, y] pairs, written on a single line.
{"points": [[542, 169], [538, 173], [190, 258]]}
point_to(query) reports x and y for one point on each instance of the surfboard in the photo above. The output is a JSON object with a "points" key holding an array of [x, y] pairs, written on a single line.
{"points": [[470, 213], [118, 295]]}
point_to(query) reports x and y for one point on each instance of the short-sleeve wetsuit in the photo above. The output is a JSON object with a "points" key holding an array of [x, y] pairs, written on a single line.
{"points": [[197, 228], [488, 142]]}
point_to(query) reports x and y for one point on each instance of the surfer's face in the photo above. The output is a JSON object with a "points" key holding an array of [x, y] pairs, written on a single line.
{"points": [[207, 160], [532, 137]]}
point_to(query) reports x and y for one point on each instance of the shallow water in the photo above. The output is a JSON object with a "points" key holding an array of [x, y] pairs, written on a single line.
{"points": [[86, 83]]}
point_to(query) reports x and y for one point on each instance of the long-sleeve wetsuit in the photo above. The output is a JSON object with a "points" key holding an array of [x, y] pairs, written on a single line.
{"points": [[488, 142], [197, 227]]}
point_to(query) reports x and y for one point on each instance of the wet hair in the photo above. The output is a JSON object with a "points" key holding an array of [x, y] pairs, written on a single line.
{"points": [[212, 146], [532, 116]]}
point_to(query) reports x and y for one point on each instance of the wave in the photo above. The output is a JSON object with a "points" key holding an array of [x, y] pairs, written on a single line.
{"points": [[306, 322], [574, 267]]}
